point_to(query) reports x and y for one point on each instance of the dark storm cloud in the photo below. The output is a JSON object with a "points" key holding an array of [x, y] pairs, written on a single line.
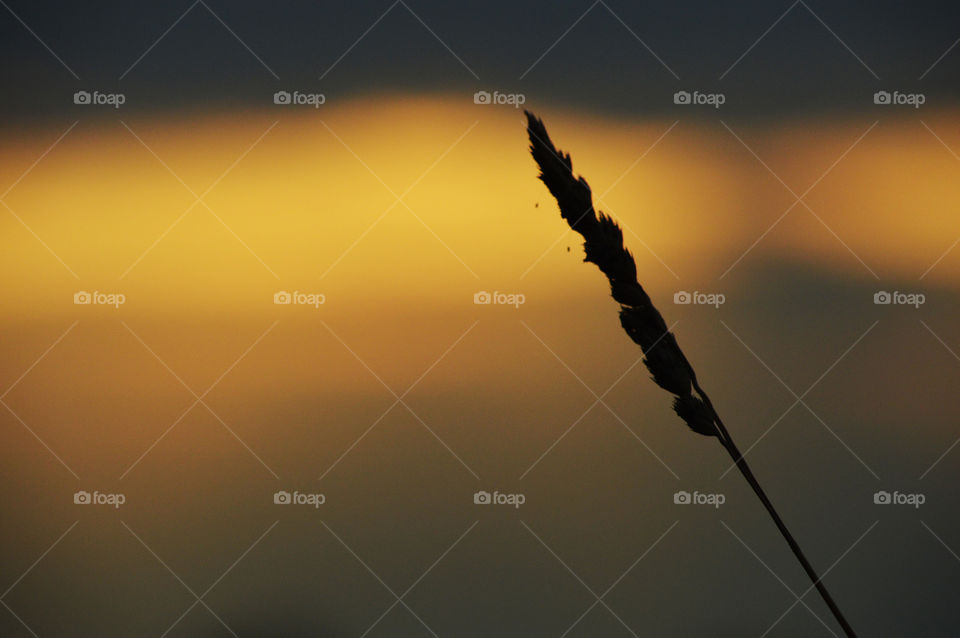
{"points": [[612, 56]]}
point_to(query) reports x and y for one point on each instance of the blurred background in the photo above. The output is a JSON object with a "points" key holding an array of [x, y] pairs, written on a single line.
{"points": [[262, 255]]}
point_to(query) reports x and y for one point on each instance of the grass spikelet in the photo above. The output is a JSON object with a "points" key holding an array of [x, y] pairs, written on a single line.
{"points": [[603, 245]]}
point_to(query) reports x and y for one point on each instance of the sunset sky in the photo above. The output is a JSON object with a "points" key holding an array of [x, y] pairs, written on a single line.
{"points": [[190, 212]]}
